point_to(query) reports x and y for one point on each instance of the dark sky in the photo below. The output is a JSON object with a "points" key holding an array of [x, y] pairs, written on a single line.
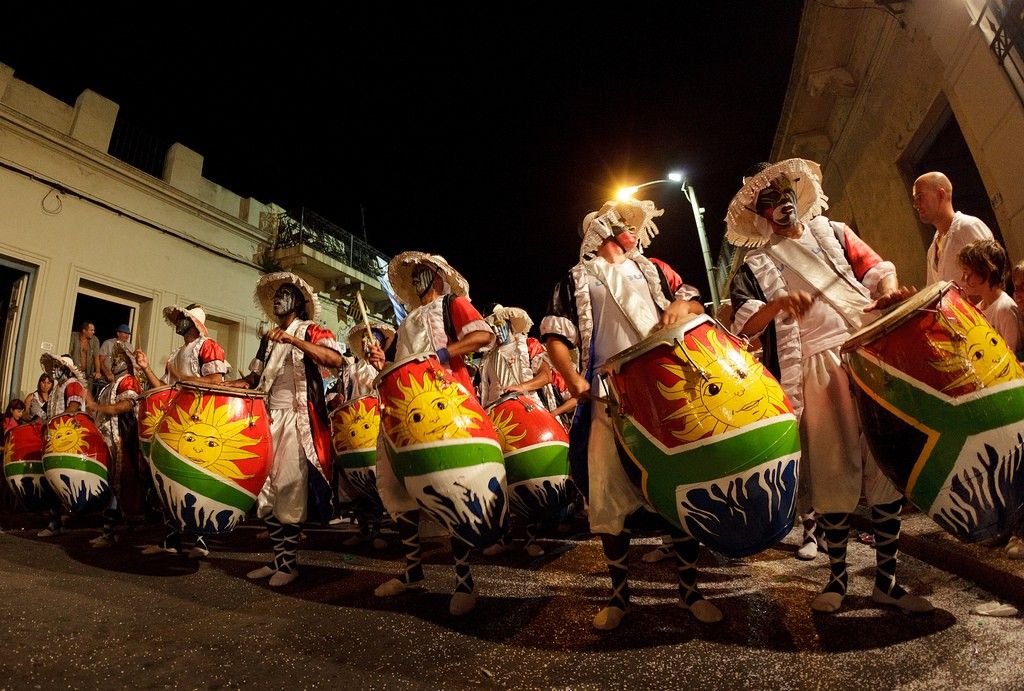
{"points": [[483, 132]]}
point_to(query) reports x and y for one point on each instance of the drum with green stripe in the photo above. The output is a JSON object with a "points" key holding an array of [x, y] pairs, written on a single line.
{"points": [[210, 456], [23, 467], [355, 426], [75, 461], [443, 448]]}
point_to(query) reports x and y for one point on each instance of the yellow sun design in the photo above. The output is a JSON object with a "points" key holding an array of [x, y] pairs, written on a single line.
{"points": [[724, 389], [431, 411], [209, 438], [8, 450], [152, 419], [67, 436], [980, 355], [356, 428], [506, 427]]}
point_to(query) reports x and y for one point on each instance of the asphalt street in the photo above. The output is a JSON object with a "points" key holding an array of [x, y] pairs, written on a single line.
{"points": [[75, 616]]}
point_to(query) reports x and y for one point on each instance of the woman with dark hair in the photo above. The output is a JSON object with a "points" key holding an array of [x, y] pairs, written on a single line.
{"points": [[37, 401], [14, 415]]}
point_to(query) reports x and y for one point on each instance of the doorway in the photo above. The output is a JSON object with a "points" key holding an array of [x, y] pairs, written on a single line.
{"points": [[15, 293]]}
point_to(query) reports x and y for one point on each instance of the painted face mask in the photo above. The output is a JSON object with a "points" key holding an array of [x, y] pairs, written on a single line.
{"points": [[182, 326], [778, 202], [502, 331], [286, 300], [422, 279]]}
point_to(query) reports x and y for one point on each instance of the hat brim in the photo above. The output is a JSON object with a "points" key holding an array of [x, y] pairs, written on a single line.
{"points": [[354, 338], [518, 319], [400, 274], [50, 362], [744, 227], [268, 285], [173, 313]]}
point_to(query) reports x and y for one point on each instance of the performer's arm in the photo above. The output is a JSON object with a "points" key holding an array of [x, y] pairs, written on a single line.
{"points": [[142, 360], [558, 351], [321, 355], [470, 343], [539, 381], [570, 404], [678, 309], [796, 303]]}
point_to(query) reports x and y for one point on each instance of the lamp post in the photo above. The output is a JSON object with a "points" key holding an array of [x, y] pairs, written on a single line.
{"points": [[698, 217]]}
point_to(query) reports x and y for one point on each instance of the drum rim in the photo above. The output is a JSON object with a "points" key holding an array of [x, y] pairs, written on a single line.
{"points": [[415, 357], [214, 388], [157, 389], [897, 315], [614, 363], [503, 398], [345, 404]]}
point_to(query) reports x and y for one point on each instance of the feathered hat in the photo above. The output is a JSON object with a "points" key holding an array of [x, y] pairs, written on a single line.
{"points": [[51, 362], [354, 338], [747, 228], [268, 285], [194, 312], [603, 223], [517, 319], [401, 269]]}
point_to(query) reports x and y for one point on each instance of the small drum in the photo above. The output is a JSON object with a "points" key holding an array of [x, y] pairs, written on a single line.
{"points": [[23, 467], [210, 456], [941, 400], [76, 460], [536, 451], [712, 433], [443, 449], [150, 409], [355, 426]]}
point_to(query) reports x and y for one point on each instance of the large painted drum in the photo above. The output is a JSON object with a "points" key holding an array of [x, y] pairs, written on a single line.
{"points": [[443, 449], [355, 426], [23, 467], [536, 451], [76, 461], [712, 434], [210, 456], [151, 407], [941, 400]]}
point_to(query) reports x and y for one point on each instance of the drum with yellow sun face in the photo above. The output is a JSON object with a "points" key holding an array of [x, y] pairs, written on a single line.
{"points": [[711, 435], [210, 456], [150, 409], [355, 426], [76, 461], [443, 448], [536, 451], [23, 466], [941, 400]]}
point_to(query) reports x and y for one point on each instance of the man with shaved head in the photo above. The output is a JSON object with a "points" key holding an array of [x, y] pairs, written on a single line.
{"points": [[933, 202]]}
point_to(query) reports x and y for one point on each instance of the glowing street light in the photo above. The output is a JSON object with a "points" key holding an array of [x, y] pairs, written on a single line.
{"points": [[698, 216]]}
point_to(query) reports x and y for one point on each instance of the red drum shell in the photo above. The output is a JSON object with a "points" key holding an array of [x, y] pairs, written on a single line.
{"points": [[76, 460]]}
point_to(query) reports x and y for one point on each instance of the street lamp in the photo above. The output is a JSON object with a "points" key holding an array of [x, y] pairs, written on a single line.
{"points": [[698, 217]]}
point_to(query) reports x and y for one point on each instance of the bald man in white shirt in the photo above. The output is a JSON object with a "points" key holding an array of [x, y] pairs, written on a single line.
{"points": [[933, 202]]}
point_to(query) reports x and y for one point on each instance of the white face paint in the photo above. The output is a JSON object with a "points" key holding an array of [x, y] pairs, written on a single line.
{"points": [[287, 299], [422, 279], [778, 202]]}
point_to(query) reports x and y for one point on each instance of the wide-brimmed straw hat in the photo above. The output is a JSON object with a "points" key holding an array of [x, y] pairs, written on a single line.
{"points": [[354, 338], [268, 285], [747, 228], [194, 312], [600, 224], [400, 272], [518, 320], [50, 362]]}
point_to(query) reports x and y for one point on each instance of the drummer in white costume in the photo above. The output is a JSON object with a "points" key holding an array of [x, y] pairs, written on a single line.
{"points": [[805, 287], [199, 360], [517, 362], [611, 300], [287, 366], [441, 320]]}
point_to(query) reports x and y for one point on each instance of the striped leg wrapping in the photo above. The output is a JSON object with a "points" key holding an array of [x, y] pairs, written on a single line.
{"points": [[463, 574], [409, 533], [286, 547], [886, 522], [616, 553], [685, 550], [836, 527]]}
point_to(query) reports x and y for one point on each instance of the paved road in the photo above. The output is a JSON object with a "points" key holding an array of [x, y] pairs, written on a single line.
{"points": [[74, 616]]}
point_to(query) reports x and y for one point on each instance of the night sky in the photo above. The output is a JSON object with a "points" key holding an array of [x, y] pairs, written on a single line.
{"points": [[483, 132]]}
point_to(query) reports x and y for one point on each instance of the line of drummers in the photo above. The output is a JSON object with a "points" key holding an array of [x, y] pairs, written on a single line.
{"points": [[677, 430]]}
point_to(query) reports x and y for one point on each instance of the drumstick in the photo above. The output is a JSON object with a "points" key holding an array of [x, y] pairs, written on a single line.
{"points": [[366, 322]]}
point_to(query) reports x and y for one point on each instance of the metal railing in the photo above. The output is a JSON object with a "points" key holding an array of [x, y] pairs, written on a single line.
{"points": [[305, 227], [1002, 22], [138, 147]]}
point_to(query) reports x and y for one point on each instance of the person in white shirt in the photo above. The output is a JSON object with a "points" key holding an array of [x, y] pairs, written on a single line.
{"points": [[933, 201], [984, 267]]}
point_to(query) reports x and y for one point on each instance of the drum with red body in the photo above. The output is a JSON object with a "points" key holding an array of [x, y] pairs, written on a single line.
{"points": [[941, 400], [536, 451], [443, 449], [150, 409], [23, 466], [210, 456], [76, 461], [710, 433], [355, 426]]}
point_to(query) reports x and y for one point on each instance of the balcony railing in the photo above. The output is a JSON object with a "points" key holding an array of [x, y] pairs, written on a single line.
{"points": [[304, 227], [1002, 22]]}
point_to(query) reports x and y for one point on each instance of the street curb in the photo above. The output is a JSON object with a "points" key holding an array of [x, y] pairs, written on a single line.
{"points": [[1005, 586]]}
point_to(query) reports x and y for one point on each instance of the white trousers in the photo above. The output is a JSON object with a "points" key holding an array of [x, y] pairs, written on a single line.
{"points": [[286, 491], [612, 496]]}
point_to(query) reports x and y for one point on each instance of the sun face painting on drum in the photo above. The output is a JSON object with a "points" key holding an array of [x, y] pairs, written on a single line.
{"points": [[942, 401], [75, 461], [714, 437]]}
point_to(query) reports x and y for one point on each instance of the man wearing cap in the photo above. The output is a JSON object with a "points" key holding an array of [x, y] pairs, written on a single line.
{"points": [[441, 320], [611, 300], [114, 412], [517, 362], [110, 367], [287, 366], [804, 287], [201, 360], [69, 396]]}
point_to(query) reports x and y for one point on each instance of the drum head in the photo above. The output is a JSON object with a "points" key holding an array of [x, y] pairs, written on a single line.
{"points": [[665, 336], [897, 315], [213, 389], [507, 396], [156, 390]]}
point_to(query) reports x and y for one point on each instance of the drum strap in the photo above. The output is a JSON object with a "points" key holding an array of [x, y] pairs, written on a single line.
{"points": [[830, 282], [637, 310]]}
